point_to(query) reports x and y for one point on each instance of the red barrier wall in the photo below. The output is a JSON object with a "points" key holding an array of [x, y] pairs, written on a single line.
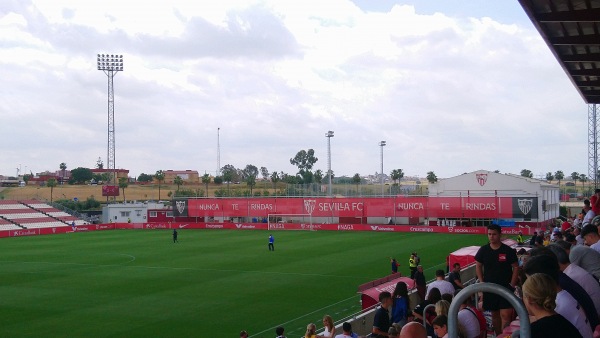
{"points": [[265, 226]]}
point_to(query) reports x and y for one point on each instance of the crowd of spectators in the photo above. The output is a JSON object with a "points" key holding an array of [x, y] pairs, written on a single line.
{"points": [[557, 279]]}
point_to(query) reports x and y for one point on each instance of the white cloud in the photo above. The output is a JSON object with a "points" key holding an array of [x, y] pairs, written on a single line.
{"points": [[448, 93]]}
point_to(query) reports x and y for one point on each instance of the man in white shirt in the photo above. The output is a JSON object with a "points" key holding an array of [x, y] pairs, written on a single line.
{"points": [[578, 274], [440, 283], [467, 318], [589, 213]]}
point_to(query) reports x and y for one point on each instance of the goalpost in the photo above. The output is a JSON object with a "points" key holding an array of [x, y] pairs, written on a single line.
{"points": [[306, 219]]}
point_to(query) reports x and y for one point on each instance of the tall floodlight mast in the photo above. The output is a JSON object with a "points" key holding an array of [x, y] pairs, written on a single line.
{"points": [[110, 64], [593, 132], [382, 144], [218, 151], [329, 135]]}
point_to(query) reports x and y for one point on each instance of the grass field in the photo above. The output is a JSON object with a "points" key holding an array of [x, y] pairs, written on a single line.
{"points": [[137, 283]]}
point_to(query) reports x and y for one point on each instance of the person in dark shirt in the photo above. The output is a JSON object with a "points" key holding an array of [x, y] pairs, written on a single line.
{"points": [[381, 322], [497, 263], [454, 277], [533, 239], [420, 282], [175, 236], [539, 294]]}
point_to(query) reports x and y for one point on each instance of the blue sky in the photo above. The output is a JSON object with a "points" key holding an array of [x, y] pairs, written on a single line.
{"points": [[451, 86]]}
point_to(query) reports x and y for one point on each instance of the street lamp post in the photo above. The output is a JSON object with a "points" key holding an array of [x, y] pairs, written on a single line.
{"points": [[110, 64], [382, 144], [329, 135]]}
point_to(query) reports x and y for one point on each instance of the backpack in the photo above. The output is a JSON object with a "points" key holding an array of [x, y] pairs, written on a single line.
{"points": [[481, 319]]}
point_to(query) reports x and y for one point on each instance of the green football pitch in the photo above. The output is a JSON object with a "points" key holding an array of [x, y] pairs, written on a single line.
{"points": [[213, 283]]}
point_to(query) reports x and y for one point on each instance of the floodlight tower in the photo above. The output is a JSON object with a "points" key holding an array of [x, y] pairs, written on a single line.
{"points": [[593, 133], [218, 151], [382, 144], [110, 64], [329, 135]]}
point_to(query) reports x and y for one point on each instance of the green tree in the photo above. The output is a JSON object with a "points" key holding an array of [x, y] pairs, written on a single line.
{"points": [[99, 164], [559, 175], [575, 176], [81, 175], [397, 175], [275, 178], [63, 167], [229, 173], [497, 171], [206, 181], [218, 180], [431, 177], [356, 180], [26, 178], [318, 176], [160, 177], [122, 185], [305, 160], [145, 178], [549, 177], [526, 173], [51, 183], [264, 172], [583, 178], [178, 181]]}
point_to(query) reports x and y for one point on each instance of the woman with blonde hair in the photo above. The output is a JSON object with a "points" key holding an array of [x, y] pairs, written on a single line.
{"points": [[311, 330], [442, 307], [329, 328], [539, 296]]}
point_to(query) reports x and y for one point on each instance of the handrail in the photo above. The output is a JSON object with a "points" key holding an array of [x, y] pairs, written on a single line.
{"points": [[525, 329], [425, 314]]}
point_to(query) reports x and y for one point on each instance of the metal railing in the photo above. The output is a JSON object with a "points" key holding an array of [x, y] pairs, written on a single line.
{"points": [[525, 328]]}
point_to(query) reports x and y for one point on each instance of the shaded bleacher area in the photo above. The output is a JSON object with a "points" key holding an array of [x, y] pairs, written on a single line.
{"points": [[32, 214]]}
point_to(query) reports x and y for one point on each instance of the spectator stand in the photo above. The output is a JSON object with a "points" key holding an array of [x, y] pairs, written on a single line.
{"points": [[32, 214]]}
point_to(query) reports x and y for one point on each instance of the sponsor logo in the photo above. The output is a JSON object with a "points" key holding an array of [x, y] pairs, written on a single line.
{"points": [[103, 227], [309, 206], [410, 206], [525, 205], [180, 206], [214, 226], [380, 228], [481, 179], [53, 230], [345, 227], [310, 226], [97, 226], [24, 232], [277, 226], [462, 230], [239, 226], [421, 229], [245, 226], [181, 226], [502, 258]]}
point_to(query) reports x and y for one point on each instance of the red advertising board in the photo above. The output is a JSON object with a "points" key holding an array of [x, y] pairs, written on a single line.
{"points": [[400, 206], [110, 190]]}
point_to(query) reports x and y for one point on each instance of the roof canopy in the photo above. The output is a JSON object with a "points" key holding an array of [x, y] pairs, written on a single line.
{"points": [[571, 28]]}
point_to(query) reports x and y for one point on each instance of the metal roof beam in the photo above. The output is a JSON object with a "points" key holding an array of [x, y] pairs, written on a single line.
{"points": [[585, 72], [575, 40], [588, 15], [581, 58]]}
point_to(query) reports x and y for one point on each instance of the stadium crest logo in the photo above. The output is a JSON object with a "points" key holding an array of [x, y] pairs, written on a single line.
{"points": [[309, 206], [525, 205], [481, 179], [180, 206]]}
